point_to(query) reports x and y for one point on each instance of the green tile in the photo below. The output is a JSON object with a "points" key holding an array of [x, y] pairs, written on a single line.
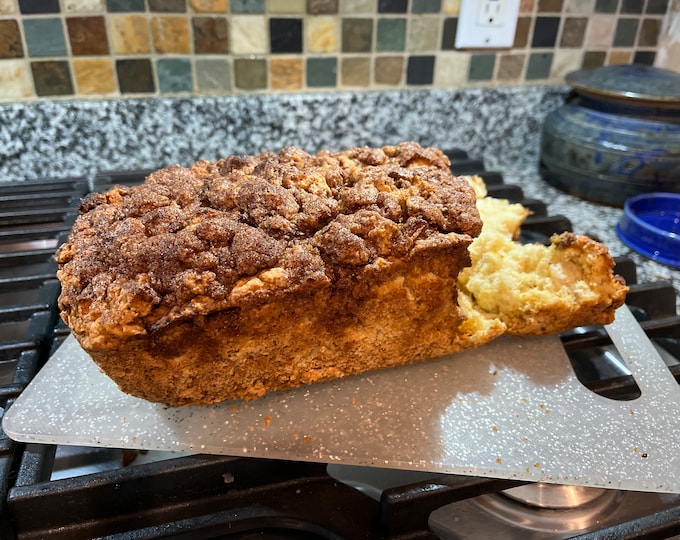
{"points": [[213, 74], [481, 67], [168, 6], [45, 37], [174, 75], [626, 30], [322, 71], [52, 78], [118, 6], [606, 6], [391, 34], [539, 66], [426, 6], [250, 73], [247, 6]]}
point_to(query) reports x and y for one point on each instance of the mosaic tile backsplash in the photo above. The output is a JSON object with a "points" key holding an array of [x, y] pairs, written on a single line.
{"points": [[125, 48]]}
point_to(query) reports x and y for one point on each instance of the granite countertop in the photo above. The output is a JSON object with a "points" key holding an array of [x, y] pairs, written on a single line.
{"points": [[501, 126]]}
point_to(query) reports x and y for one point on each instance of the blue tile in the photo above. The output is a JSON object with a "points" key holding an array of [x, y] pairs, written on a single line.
{"points": [[247, 6], [44, 37], [124, 5], [174, 75]]}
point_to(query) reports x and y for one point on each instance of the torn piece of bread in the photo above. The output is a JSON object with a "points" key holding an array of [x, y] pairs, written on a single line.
{"points": [[232, 279], [535, 289]]}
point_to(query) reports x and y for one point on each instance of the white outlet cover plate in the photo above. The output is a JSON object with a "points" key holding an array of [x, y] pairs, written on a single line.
{"points": [[486, 24]]}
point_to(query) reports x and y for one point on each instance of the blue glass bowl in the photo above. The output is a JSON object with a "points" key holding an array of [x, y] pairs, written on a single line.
{"points": [[651, 226]]}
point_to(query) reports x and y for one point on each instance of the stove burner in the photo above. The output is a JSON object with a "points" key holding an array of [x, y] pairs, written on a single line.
{"points": [[554, 496]]}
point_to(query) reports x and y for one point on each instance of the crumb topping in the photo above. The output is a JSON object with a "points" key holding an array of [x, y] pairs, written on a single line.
{"points": [[219, 234]]}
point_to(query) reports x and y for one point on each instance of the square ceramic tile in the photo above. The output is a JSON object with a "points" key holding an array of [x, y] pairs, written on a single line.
{"points": [[420, 70], [357, 34], [285, 35], [170, 34], [358, 6], [619, 57], [83, 6], [632, 6], [94, 76], [322, 72], [286, 73], [10, 40], [423, 34], [7, 6], [449, 30], [392, 6], [451, 7], [565, 61], [129, 34], [545, 31], [573, 31], [52, 78], [249, 34], [426, 6], [174, 75], [209, 6], [522, 31], [135, 76], [579, 7], [644, 57], [355, 71], [213, 74], [606, 6], [250, 73], [391, 34], [539, 66], [511, 67], [593, 59], [30, 7], [15, 80], [600, 31], [451, 69], [288, 7], [626, 32], [246, 6], [388, 70], [549, 6], [321, 34], [657, 7], [45, 37], [124, 6], [87, 35], [481, 67], [210, 35], [649, 33], [322, 7], [168, 6]]}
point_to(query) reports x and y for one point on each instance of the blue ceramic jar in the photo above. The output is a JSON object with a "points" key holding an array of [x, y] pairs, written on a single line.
{"points": [[617, 135]]}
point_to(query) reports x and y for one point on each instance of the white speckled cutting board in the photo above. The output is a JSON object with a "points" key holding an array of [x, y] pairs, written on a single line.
{"points": [[511, 409]]}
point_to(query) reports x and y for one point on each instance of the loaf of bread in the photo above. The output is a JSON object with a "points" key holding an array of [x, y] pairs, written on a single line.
{"points": [[231, 279]]}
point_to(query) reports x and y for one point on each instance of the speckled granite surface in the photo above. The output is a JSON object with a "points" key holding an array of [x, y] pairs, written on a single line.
{"points": [[499, 125]]}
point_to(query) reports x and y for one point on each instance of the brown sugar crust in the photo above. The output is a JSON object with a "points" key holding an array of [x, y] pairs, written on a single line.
{"points": [[234, 278]]}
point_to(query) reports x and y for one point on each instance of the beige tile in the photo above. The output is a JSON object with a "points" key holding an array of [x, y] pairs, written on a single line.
{"points": [[527, 6], [388, 70], [83, 6], [511, 67], [600, 30], [286, 6], [7, 6], [285, 73], [565, 61], [208, 6], [423, 34], [249, 34], [581, 7], [617, 56], [170, 34], [129, 34], [94, 76], [451, 7], [355, 71], [358, 6], [15, 80], [451, 69], [321, 34]]}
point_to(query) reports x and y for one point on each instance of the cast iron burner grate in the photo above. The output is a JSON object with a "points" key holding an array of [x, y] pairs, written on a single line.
{"points": [[225, 497]]}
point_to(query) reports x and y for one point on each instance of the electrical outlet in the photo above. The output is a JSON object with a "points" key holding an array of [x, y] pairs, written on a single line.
{"points": [[486, 23]]}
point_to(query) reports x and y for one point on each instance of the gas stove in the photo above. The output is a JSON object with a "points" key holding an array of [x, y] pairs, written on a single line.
{"points": [[81, 492]]}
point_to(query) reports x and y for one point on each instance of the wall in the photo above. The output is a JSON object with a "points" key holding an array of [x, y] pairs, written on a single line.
{"points": [[132, 48]]}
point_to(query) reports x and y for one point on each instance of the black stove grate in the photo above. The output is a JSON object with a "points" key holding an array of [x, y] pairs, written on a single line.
{"points": [[226, 497]]}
